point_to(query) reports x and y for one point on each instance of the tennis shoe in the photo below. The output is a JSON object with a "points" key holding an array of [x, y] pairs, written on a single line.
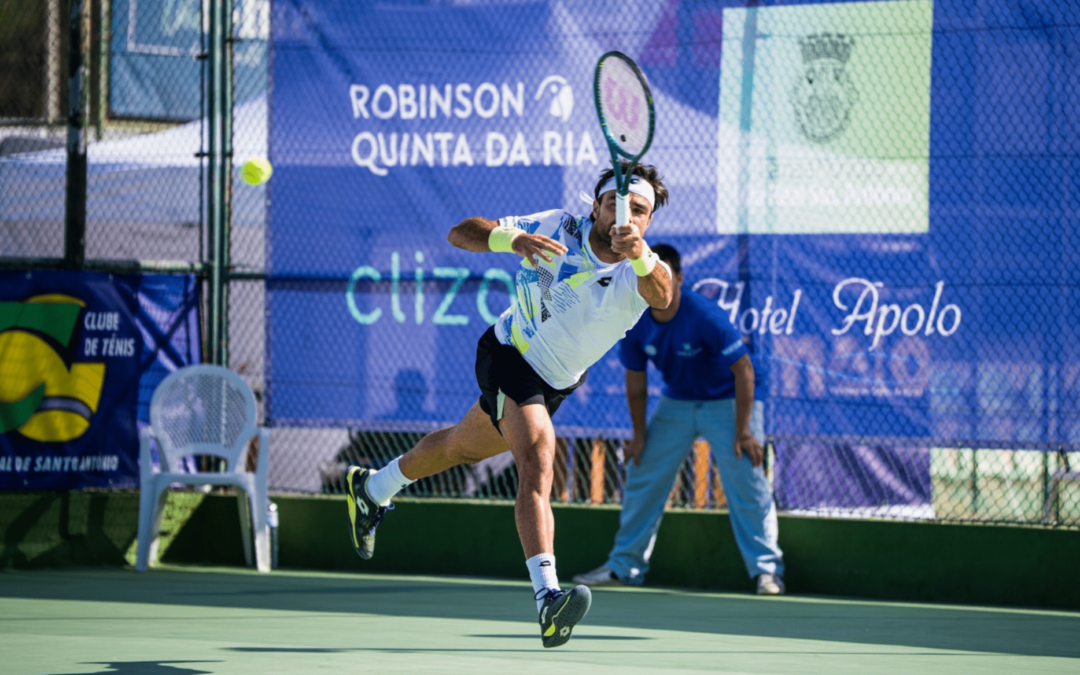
{"points": [[560, 613], [601, 576], [770, 584], [364, 513]]}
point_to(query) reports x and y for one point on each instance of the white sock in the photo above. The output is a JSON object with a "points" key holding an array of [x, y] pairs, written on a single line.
{"points": [[387, 482], [542, 572]]}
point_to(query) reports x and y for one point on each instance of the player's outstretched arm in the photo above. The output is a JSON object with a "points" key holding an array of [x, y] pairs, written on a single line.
{"points": [[472, 234], [654, 281], [656, 287], [481, 235]]}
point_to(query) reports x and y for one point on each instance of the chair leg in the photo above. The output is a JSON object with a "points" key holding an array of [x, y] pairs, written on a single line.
{"points": [[259, 508], [155, 538], [147, 533], [242, 499]]}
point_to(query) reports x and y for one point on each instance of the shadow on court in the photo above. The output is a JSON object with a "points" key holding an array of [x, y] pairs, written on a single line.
{"points": [[1024, 633], [143, 668], [579, 638]]}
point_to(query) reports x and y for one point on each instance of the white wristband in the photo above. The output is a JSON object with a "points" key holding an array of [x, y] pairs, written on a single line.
{"points": [[644, 265], [501, 239]]}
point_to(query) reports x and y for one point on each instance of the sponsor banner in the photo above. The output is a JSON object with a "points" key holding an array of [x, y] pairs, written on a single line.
{"points": [[844, 479], [80, 354], [896, 283]]}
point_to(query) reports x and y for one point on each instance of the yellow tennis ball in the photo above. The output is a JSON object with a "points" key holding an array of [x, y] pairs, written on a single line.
{"points": [[256, 171]]}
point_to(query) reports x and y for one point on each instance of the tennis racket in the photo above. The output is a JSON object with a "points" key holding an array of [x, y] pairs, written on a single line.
{"points": [[624, 105]]}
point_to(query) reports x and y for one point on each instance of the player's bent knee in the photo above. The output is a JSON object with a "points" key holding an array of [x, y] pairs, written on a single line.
{"points": [[460, 448], [533, 468]]}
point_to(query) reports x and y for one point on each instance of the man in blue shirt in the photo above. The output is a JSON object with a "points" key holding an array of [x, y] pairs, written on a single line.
{"points": [[709, 390]]}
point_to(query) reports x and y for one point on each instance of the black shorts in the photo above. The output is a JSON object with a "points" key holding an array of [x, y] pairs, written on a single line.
{"points": [[503, 372]]}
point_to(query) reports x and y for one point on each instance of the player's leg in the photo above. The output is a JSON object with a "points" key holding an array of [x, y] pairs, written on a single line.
{"points": [[648, 485], [470, 441], [368, 492], [749, 495], [475, 438], [531, 437]]}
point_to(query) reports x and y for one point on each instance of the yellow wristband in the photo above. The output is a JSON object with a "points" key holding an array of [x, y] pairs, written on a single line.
{"points": [[501, 239], [644, 265]]}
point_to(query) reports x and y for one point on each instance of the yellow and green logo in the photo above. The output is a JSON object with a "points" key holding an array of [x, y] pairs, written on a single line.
{"points": [[44, 394]]}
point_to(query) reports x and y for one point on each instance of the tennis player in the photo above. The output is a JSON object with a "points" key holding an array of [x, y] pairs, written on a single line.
{"points": [[583, 283]]}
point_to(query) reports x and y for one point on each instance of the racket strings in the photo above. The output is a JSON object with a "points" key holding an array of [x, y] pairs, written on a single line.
{"points": [[624, 106]]}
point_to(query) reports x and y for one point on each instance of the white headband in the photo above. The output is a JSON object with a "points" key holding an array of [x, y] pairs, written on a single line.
{"points": [[638, 186]]}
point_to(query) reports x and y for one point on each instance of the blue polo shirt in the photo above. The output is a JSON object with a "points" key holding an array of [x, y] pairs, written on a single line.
{"points": [[693, 351]]}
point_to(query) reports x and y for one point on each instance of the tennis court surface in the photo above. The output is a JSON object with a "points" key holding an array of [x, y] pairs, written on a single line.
{"points": [[184, 621]]}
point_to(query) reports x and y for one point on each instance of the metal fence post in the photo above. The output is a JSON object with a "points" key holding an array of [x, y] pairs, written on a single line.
{"points": [[1045, 486], [75, 196], [218, 174]]}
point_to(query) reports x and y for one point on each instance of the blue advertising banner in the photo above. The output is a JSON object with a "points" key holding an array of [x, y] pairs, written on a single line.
{"points": [[845, 183], [154, 69], [80, 355]]}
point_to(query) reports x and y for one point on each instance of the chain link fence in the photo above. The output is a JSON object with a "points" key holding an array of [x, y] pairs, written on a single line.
{"points": [[144, 196], [136, 74], [33, 110], [973, 151]]}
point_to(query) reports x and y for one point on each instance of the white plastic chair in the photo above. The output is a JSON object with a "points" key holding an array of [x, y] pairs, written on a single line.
{"points": [[203, 410]]}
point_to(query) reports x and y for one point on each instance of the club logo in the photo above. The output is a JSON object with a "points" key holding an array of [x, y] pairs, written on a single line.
{"points": [[824, 94], [650, 350], [44, 394], [688, 350], [562, 96]]}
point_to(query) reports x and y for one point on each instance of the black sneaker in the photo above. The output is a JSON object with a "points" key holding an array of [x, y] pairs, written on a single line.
{"points": [[364, 514], [560, 612]]}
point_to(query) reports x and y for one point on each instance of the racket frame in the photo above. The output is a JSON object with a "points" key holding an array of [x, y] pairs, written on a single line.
{"points": [[622, 182]]}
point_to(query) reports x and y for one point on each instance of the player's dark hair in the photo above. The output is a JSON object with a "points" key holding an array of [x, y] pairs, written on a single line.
{"points": [[646, 171], [668, 254]]}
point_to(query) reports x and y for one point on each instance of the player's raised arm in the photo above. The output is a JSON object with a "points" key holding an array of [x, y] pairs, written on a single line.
{"points": [[654, 280], [655, 286], [481, 235]]}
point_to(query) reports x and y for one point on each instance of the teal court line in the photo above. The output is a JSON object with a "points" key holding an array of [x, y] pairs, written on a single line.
{"points": [[190, 621]]}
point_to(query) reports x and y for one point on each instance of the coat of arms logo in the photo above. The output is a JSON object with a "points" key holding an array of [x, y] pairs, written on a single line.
{"points": [[824, 94]]}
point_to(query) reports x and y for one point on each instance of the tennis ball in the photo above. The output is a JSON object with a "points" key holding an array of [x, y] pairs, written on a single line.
{"points": [[256, 171]]}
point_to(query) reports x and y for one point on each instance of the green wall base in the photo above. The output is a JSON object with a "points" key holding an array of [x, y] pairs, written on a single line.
{"points": [[56, 529], [928, 562]]}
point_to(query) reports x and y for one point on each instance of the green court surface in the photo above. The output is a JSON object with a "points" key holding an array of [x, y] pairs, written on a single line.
{"points": [[184, 621]]}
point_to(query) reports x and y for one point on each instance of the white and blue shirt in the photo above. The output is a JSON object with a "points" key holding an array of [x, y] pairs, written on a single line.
{"points": [[571, 311], [693, 351]]}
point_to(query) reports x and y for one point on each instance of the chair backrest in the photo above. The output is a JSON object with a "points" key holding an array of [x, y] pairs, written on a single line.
{"points": [[202, 410]]}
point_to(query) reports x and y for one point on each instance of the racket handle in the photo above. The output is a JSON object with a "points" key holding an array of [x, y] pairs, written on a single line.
{"points": [[622, 209]]}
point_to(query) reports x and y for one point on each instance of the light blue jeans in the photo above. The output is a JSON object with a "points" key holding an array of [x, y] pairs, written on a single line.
{"points": [[672, 429]]}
